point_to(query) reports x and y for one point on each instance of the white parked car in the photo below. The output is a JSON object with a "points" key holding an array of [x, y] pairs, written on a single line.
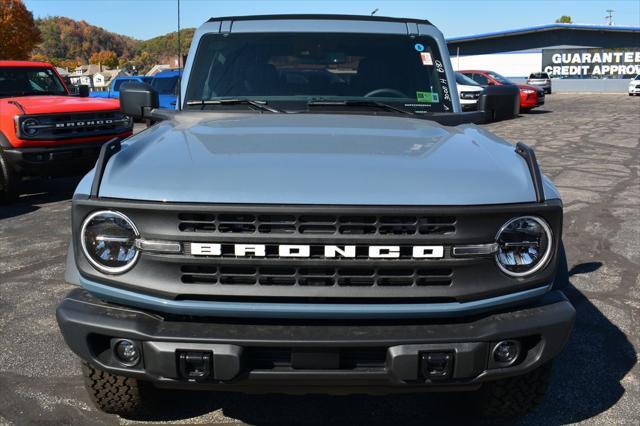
{"points": [[634, 86], [468, 91], [541, 80]]}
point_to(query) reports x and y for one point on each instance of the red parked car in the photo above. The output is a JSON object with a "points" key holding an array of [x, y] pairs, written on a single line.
{"points": [[530, 96], [45, 130]]}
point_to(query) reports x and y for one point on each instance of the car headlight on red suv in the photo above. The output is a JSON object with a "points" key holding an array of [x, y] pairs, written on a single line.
{"points": [[524, 246], [30, 126], [108, 241]]}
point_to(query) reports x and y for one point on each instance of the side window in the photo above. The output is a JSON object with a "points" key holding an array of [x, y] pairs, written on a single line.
{"points": [[481, 79]]}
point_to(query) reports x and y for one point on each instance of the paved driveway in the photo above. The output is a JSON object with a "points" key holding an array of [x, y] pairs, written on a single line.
{"points": [[588, 144]]}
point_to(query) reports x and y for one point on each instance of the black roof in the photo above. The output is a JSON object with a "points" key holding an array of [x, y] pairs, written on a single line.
{"points": [[320, 16]]}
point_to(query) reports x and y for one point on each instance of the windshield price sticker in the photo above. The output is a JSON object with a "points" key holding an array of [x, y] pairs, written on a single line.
{"points": [[426, 58], [427, 97], [439, 66]]}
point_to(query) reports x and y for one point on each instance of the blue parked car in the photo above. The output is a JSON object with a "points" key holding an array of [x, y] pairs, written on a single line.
{"points": [[116, 83], [166, 84]]}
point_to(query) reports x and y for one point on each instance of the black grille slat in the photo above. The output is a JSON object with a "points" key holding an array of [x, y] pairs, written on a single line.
{"points": [[318, 224], [316, 276]]}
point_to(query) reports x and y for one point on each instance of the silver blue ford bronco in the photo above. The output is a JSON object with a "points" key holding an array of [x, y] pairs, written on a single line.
{"points": [[316, 216]]}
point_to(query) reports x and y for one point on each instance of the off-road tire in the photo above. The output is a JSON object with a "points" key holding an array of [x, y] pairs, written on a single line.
{"points": [[8, 180], [514, 396], [114, 394]]}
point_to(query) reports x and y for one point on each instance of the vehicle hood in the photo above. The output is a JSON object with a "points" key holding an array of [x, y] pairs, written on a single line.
{"points": [[59, 104], [315, 159], [469, 88]]}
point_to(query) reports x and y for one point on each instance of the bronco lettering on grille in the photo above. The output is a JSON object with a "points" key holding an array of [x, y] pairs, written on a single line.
{"points": [[303, 250]]}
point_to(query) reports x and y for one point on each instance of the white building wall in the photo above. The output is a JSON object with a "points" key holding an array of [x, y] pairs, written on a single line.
{"points": [[512, 64]]}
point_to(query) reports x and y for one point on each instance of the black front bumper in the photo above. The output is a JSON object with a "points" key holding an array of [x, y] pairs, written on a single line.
{"points": [[54, 161], [314, 356]]}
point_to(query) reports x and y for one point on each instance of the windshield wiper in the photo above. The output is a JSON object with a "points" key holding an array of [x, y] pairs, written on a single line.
{"points": [[261, 105], [359, 103]]}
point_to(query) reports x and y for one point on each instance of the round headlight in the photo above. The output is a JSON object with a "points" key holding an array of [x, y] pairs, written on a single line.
{"points": [[108, 241], [524, 246], [28, 126]]}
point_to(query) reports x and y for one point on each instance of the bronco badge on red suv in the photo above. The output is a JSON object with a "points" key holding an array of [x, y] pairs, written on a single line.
{"points": [[44, 130]]}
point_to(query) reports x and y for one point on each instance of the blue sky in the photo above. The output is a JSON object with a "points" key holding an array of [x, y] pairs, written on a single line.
{"points": [[144, 19]]}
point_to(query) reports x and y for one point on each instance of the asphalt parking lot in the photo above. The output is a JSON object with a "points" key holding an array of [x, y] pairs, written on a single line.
{"points": [[588, 144]]}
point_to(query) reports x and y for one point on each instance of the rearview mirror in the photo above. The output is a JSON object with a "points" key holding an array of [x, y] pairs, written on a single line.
{"points": [[137, 100], [83, 90]]}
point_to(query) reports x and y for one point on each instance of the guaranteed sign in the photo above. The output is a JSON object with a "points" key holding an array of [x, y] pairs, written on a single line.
{"points": [[596, 63]]}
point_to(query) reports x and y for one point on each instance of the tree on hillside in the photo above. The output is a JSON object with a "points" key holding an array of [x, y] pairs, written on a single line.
{"points": [[65, 38], [167, 45], [107, 58], [18, 31], [142, 62], [564, 19], [57, 62]]}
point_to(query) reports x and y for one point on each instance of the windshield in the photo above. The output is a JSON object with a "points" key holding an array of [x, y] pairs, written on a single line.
{"points": [[303, 67], [463, 79], [500, 79], [26, 81], [165, 85]]}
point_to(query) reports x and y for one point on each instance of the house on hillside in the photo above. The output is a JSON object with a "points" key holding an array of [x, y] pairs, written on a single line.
{"points": [[102, 79], [157, 68], [64, 73], [83, 74], [96, 76]]}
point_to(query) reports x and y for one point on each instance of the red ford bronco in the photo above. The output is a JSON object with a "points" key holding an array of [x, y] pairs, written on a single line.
{"points": [[47, 131]]}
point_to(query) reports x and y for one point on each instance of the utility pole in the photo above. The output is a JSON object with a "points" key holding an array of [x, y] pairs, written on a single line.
{"points": [[609, 17]]}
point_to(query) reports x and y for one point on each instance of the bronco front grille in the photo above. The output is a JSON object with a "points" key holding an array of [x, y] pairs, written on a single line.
{"points": [[223, 273], [76, 125], [318, 276], [316, 224]]}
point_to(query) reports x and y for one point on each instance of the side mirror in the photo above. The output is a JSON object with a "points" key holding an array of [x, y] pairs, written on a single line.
{"points": [[83, 90], [499, 102], [138, 99]]}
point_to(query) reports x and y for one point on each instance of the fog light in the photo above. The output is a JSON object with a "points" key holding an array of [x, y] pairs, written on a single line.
{"points": [[127, 352], [506, 352]]}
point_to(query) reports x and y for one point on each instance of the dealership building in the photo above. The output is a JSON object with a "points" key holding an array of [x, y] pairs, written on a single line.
{"points": [[580, 57]]}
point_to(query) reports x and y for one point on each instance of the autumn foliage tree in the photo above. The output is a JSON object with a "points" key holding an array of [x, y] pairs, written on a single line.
{"points": [[18, 32], [107, 58]]}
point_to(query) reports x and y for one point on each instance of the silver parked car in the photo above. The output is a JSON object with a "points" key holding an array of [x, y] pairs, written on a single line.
{"points": [[541, 80]]}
